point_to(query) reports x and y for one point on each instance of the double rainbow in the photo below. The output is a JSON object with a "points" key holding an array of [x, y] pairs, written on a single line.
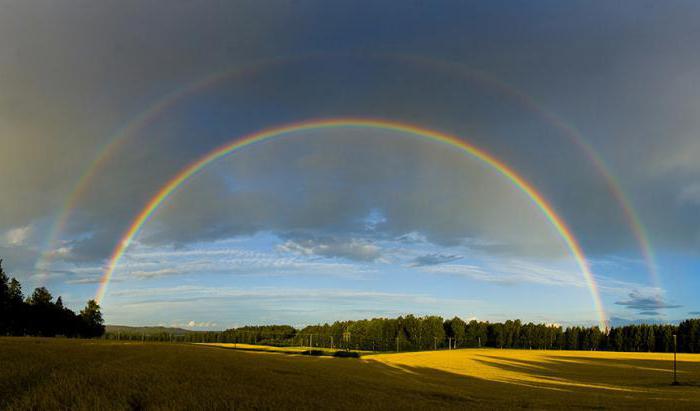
{"points": [[171, 99], [271, 133]]}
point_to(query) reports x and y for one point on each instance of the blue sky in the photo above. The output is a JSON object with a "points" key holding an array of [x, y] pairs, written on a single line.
{"points": [[353, 223]]}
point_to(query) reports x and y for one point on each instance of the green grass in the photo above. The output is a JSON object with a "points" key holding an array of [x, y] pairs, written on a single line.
{"points": [[83, 374]]}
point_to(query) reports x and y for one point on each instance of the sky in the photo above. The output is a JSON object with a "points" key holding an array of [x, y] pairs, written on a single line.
{"points": [[594, 104]]}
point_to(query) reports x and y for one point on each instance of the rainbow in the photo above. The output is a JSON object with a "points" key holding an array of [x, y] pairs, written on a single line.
{"points": [[271, 133], [130, 128], [121, 136], [630, 214]]}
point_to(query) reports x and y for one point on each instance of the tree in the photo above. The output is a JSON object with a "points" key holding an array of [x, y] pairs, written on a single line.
{"points": [[3, 283], [4, 302], [17, 312], [432, 331], [411, 330], [41, 296], [496, 336], [595, 336], [41, 313], [15, 292], [617, 339], [92, 322], [456, 329]]}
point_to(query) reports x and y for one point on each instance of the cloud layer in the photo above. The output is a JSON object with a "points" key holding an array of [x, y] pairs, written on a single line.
{"points": [[646, 304], [76, 76]]}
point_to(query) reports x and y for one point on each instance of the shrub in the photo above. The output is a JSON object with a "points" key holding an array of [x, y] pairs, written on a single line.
{"points": [[347, 354], [313, 352]]}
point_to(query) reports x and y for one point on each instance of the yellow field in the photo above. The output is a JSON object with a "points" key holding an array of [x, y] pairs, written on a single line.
{"points": [[563, 378], [78, 374]]}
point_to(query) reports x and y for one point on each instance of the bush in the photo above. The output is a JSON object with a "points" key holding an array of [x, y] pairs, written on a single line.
{"points": [[314, 352], [347, 354]]}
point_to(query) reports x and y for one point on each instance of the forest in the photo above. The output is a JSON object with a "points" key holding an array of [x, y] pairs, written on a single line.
{"points": [[40, 315], [414, 333]]}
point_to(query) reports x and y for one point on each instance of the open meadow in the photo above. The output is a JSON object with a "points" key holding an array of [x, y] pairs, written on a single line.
{"points": [[42, 373]]}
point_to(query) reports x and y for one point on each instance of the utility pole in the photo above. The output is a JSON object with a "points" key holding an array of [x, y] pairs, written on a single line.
{"points": [[435, 338], [479, 341], [397, 344], [675, 349], [332, 346]]}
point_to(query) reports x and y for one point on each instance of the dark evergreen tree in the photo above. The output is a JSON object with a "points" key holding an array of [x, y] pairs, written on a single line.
{"points": [[92, 322], [4, 302], [16, 311]]}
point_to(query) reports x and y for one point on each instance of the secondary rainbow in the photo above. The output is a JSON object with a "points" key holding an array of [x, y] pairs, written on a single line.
{"points": [[171, 99], [629, 212], [123, 134], [271, 133]]}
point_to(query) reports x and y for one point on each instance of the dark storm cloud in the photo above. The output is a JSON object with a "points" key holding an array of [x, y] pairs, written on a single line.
{"points": [[74, 72], [434, 259]]}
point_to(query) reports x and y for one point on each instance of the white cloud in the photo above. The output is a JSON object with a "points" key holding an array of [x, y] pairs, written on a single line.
{"points": [[61, 252], [18, 236], [189, 291], [434, 259], [144, 262], [507, 271], [412, 237], [195, 324], [511, 271], [296, 306], [84, 280], [155, 273], [353, 249]]}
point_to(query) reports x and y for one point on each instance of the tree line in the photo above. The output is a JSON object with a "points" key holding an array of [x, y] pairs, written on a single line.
{"points": [[40, 315], [413, 333]]}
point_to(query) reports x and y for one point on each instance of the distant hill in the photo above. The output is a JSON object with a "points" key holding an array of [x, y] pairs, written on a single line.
{"points": [[146, 330]]}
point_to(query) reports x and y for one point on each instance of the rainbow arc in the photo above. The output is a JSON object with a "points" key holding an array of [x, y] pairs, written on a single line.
{"points": [[278, 132]]}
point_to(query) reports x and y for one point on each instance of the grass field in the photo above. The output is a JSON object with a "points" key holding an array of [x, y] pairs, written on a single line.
{"points": [[82, 374], [282, 350]]}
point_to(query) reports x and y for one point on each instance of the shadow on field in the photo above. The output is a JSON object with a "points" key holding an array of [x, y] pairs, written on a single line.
{"points": [[288, 351], [602, 373], [567, 382], [58, 374]]}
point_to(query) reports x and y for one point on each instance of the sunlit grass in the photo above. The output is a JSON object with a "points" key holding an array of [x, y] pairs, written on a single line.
{"points": [[82, 374], [562, 370]]}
